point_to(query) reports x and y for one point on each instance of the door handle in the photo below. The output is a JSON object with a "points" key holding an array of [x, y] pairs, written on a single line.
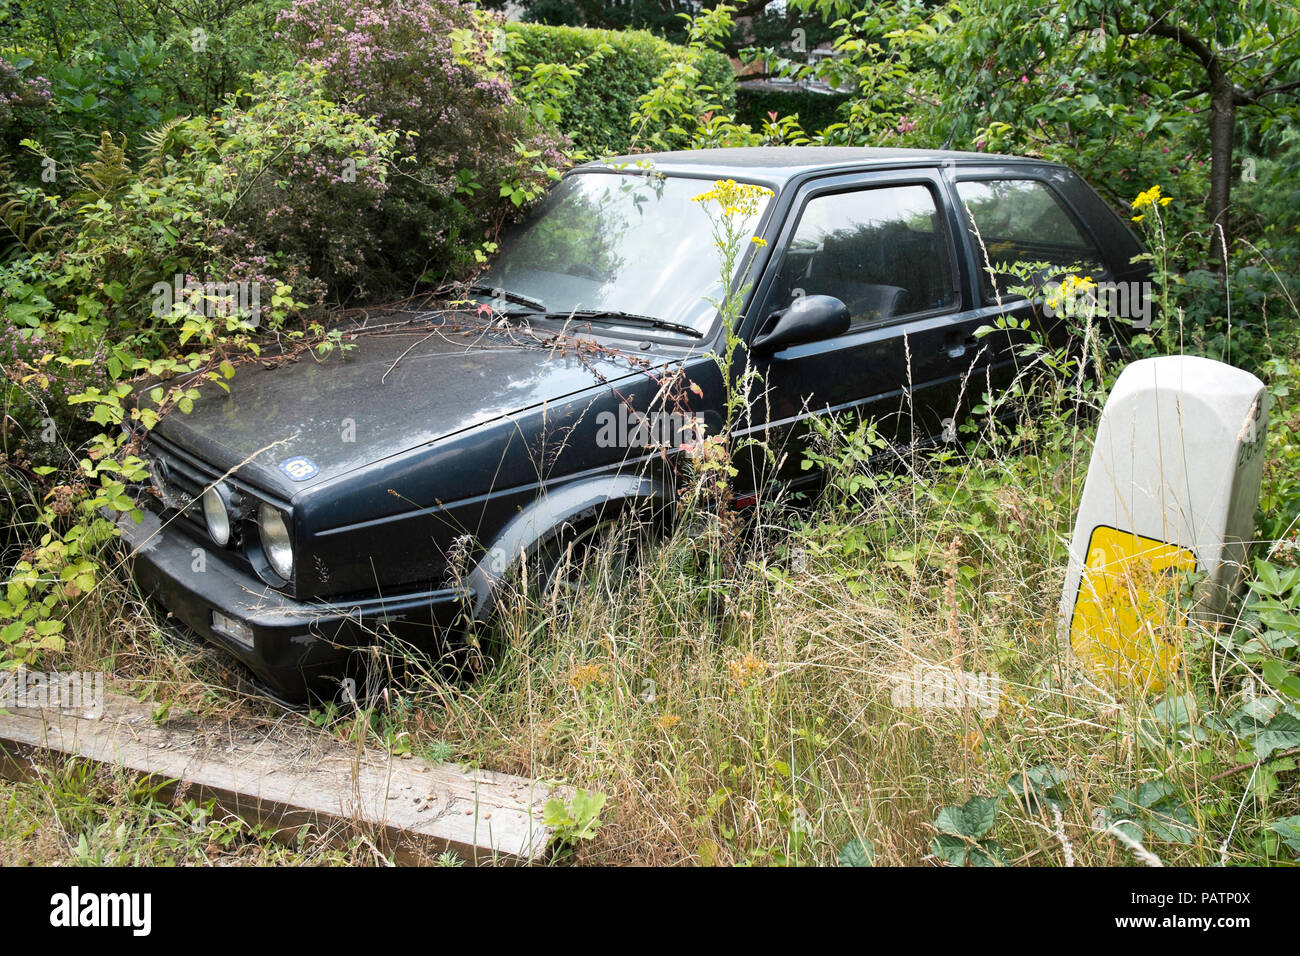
{"points": [[955, 346]]}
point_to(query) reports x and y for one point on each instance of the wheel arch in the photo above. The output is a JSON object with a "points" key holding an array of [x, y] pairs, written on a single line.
{"points": [[548, 516]]}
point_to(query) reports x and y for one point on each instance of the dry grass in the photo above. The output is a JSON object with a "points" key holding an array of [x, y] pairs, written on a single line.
{"points": [[750, 719]]}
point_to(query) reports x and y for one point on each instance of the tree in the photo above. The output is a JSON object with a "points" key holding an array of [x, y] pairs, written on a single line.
{"points": [[1080, 80], [1248, 52]]}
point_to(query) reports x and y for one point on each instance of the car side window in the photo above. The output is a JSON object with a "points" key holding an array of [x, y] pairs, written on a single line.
{"points": [[883, 252], [1021, 221]]}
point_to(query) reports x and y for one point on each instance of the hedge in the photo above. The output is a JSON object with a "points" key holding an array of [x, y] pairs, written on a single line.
{"points": [[596, 115], [816, 111]]}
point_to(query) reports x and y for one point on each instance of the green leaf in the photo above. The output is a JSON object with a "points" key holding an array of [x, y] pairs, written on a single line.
{"points": [[972, 819], [987, 853], [1253, 715], [858, 852], [951, 849], [1280, 733], [1280, 677], [1173, 719], [1151, 807], [1039, 786], [1174, 825], [1288, 828]]}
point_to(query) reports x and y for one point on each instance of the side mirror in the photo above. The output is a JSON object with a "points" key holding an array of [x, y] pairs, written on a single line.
{"points": [[809, 318]]}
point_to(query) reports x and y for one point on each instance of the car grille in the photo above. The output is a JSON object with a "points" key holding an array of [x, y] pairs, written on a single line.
{"points": [[177, 481]]}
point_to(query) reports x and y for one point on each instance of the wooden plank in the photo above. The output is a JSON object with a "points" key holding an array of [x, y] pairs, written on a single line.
{"points": [[284, 777]]}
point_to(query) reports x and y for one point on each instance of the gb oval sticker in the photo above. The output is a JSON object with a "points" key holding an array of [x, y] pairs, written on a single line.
{"points": [[299, 468]]}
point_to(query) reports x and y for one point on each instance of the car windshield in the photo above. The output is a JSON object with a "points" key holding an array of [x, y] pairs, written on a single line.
{"points": [[631, 243]]}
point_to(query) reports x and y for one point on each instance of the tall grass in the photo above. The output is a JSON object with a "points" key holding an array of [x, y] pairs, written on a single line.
{"points": [[760, 727]]}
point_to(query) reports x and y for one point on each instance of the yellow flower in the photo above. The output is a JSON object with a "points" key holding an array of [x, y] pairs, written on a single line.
{"points": [[1150, 197], [746, 669], [736, 199], [1146, 198], [758, 241], [587, 675], [668, 721], [1069, 290]]}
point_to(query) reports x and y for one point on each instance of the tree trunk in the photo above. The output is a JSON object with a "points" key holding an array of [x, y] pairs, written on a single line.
{"points": [[1223, 104], [1222, 114]]}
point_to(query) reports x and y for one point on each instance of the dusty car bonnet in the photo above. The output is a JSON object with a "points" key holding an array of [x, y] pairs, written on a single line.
{"points": [[394, 391]]}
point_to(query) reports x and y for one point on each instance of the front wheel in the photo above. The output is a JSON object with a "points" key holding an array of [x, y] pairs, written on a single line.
{"points": [[583, 561]]}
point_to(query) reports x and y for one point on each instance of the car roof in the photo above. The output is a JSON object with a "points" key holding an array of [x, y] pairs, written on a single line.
{"points": [[776, 165]]}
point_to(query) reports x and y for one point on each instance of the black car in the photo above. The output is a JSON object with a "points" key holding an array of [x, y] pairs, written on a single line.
{"points": [[326, 501]]}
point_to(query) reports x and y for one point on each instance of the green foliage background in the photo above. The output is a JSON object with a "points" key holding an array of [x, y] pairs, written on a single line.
{"points": [[621, 69]]}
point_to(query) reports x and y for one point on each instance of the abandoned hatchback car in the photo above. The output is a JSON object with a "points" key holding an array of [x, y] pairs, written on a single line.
{"points": [[385, 492]]}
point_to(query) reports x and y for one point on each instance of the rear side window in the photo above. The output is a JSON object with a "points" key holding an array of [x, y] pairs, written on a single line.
{"points": [[1023, 235]]}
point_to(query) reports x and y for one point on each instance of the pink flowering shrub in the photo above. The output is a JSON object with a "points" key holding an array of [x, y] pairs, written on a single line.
{"points": [[20, 92], [297, 180], [24, 100], [37, 384], [472, 153]]}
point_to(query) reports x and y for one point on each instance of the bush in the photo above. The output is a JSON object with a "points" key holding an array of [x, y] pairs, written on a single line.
{"points": [[261, 193], [169, 266], [815, 111], [107, 88], [621, 67], [37, 413], [135, 58], [24, 98], [473, 153]]}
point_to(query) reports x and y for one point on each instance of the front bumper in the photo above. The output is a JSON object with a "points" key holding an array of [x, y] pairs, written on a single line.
{"points": [[294, 648]]}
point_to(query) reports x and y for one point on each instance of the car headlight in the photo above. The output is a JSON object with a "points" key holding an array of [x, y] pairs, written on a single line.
{"points": [[276, 543], [216, 514]]}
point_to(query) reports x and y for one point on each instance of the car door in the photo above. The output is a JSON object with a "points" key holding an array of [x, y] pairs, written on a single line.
{"points": [[883, 243], [1019, 231]]}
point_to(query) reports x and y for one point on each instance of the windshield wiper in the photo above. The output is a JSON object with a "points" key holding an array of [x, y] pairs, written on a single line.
{"points": [[538, 309], [496, 292], [629, 318]]}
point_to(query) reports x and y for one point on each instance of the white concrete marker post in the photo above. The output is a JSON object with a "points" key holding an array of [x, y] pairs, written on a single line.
{"points": [[1172, 487]]}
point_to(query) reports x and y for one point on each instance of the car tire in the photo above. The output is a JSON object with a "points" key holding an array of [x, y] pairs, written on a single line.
{"points": [[559, 572]]}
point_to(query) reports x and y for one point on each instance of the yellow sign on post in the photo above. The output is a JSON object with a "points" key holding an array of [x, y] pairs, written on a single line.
{"points": [[1127, 623], [1171, 488]]}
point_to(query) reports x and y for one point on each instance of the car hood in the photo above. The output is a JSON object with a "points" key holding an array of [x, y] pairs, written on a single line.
{"points": [[395, 390]]}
